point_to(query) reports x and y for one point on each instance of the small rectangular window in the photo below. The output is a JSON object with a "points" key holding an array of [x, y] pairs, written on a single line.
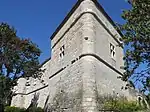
{"points": [[113, 55], [112, 51], [62, 51]]}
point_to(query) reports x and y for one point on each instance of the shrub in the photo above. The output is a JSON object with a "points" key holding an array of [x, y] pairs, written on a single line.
{"points": [[17, 109], [14, 109], [120, 104], [35, 109]]}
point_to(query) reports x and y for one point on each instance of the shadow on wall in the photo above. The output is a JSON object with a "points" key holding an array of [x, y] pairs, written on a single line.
{"points": [[34, 103], [46, 104]]}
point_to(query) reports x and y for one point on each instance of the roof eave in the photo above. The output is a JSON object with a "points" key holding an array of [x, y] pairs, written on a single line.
{"points": [[74, 9]]}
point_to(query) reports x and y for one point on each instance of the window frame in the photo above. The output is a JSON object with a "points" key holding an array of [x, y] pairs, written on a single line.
{"points": [[62, 52], [112, 50]]}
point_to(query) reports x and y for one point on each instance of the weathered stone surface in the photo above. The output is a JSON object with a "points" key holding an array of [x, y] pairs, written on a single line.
{"points": [[72, 82]]}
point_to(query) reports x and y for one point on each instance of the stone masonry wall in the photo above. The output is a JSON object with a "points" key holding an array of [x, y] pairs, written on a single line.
{"points": [[27, 88]]}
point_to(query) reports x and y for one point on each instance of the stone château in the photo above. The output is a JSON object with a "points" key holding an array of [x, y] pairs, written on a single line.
{"points": [[85, 62]]}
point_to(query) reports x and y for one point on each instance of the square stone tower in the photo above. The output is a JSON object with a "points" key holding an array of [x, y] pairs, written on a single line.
{"points": [[85, 62], [87, 56]]}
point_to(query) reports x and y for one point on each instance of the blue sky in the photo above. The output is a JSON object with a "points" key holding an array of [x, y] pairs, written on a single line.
{"points": [[38, 19]]}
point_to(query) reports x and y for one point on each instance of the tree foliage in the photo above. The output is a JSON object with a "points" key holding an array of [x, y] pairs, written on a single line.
{"points": [[136, 39], [18, 58]]}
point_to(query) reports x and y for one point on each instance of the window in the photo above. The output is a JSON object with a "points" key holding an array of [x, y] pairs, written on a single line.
{"points": [[113, 55], [62, 51], [112, 51]]}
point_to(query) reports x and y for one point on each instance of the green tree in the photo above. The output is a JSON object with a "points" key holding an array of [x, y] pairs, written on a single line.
{"points": [[5, 91], [136, 39], [18, 58]]}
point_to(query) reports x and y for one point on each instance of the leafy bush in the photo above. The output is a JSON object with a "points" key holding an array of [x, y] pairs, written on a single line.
{"points": [[16, 109], [144, 111], [35, 109], [120, 104]]}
